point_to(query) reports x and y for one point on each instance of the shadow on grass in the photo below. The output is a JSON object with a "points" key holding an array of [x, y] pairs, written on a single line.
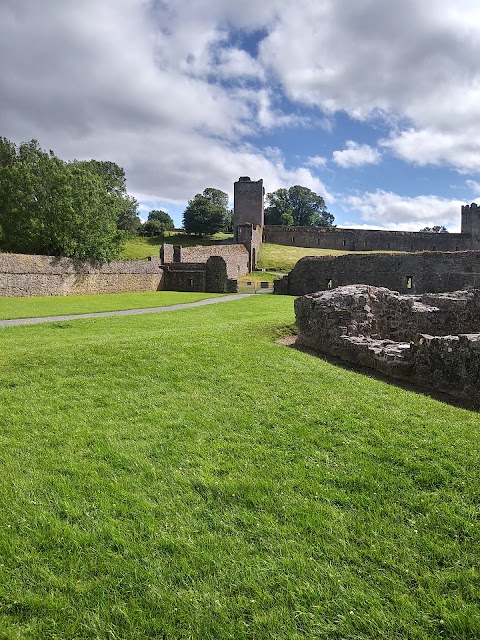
{"points": [[461, 403]]}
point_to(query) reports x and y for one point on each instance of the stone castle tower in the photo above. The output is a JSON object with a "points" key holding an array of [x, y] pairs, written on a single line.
{"points": [[248, 219], [248, 202], [471, 223]]}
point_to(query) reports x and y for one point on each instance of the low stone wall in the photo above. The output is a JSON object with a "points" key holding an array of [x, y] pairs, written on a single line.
{"points": [[210, 276], [383, 330], [235, 255], [367, 239], [25, 275], [403, 272]]}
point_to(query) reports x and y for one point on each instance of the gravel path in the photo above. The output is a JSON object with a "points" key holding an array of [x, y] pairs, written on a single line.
{"points": [[126, 312]]}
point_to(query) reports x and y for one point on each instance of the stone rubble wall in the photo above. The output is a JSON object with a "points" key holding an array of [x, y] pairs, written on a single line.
{"points": [[32, 275], [407, 337], [403, 272], [235, 255]]}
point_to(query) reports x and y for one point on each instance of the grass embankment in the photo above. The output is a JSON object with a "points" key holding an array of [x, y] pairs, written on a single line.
{"points": [[140, 248], [279, 257], [183, 476], [283, 258], [41, 306]]}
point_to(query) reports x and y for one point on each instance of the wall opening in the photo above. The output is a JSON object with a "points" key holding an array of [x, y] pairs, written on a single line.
{"points": [[190, 282], [409, 282], [329, 284], [411, 247], [433, 248], [293, 238], [344, 242], [388, 245]]}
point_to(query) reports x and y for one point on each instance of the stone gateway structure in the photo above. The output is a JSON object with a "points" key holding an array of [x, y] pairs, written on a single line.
{"points": [[432, 340]]}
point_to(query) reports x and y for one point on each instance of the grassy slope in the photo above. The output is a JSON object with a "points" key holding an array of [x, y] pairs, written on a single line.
{"points": [[41, 306], [182, 476], [139, 248], [284, 258]]}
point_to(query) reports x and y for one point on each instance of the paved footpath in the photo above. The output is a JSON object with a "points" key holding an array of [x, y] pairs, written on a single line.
{"points": [[126, 312]]}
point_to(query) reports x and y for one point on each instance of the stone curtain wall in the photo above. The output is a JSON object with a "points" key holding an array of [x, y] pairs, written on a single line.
{"points": [[236, 256], [406, 273], [431, 340], [25, 275], [367, 240]]}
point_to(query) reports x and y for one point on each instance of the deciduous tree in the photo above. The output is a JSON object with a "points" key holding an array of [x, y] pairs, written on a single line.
{"points": [[206, 213], [297, 206], [52, 207], [436, 229]]}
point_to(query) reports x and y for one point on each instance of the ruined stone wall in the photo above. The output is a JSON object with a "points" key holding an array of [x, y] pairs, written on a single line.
{"points": [[210, 276], [431, 340], [406, 273], [251, 238], [366, 240], [26, 275], [236, 256], [185, 276]]}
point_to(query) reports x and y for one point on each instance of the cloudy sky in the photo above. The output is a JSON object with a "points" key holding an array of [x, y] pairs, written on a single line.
{"points": [[374, 104]]}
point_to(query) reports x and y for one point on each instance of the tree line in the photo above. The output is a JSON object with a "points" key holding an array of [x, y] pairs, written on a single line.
{"points": [[208, 212], [81, 208], [78, 209]]}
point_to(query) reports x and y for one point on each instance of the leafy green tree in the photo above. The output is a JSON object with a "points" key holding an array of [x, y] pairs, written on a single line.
{"points": [[128, 220], [115, 183], [157, 223], [228, 228], [435, 229], [163, 217], [55, 208], [206, 213], [297, 206]]}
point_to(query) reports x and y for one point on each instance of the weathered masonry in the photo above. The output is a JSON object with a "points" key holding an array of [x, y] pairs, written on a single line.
{"points": [[182, 264], [26, 275], [379, 240], [432, 340], [403, 272]]}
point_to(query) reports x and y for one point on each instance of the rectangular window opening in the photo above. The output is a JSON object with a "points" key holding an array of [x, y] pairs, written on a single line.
{"points": [[409, 282], [329, 284], [293, 238], [190, 282], [344, 242]]}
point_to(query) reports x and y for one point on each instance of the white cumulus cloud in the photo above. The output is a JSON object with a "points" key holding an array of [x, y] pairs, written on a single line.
{"points": [[387, 210], [356, 155]]}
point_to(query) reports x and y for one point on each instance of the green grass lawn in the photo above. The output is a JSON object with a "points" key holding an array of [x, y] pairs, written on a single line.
{"points": [[284, 258], [139, 247], [40, 306], [183, 476]]}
